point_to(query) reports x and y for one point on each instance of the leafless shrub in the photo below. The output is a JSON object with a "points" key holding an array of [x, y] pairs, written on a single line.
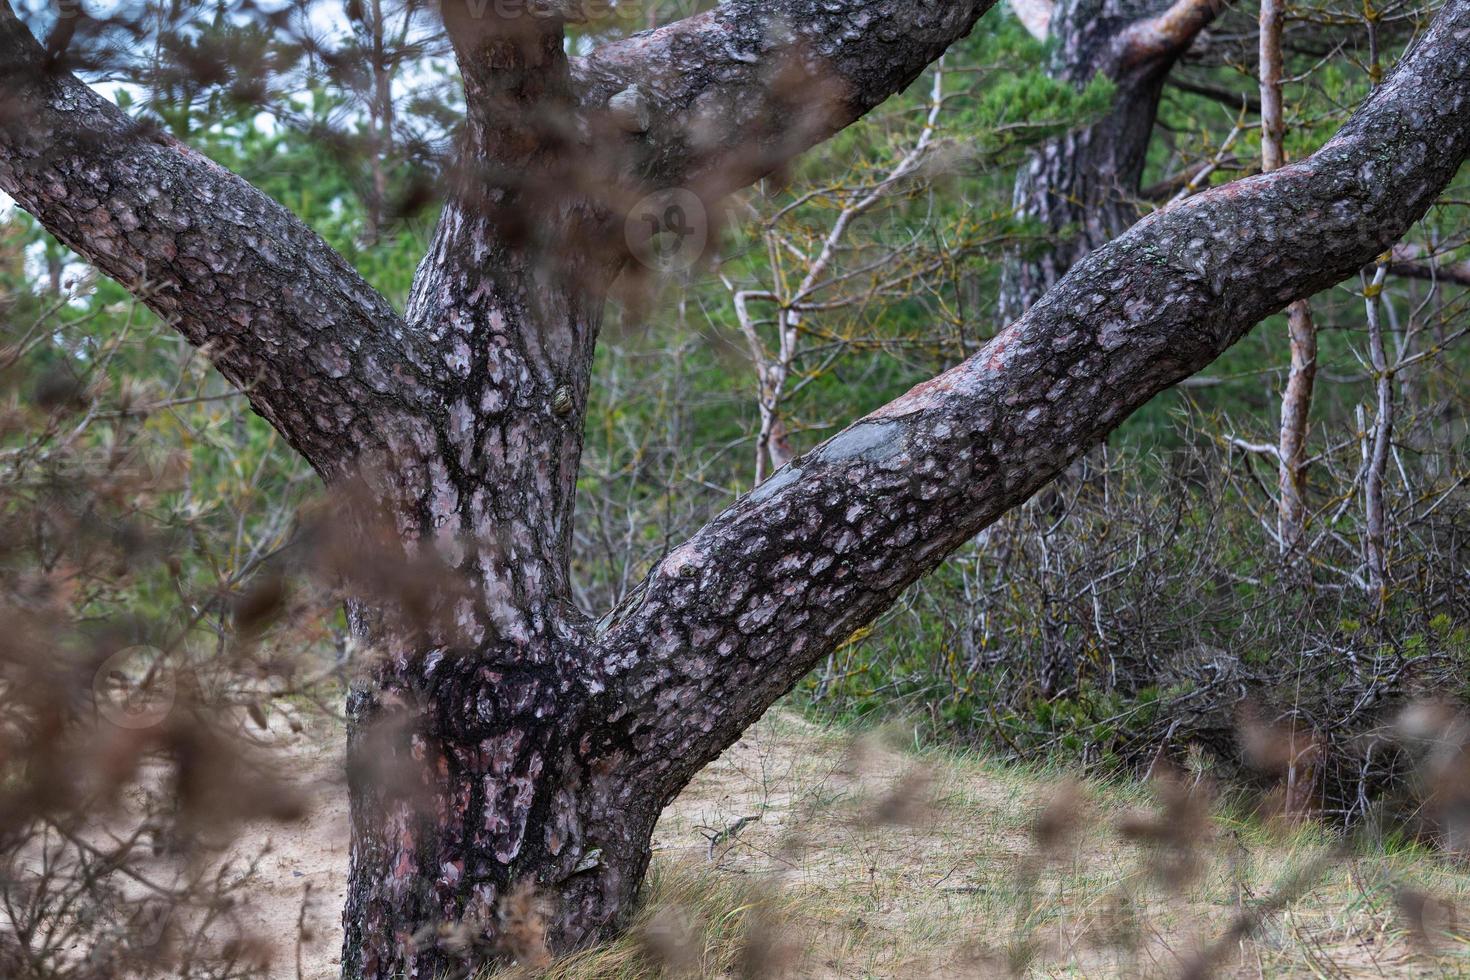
{"points": [[137, 691]]}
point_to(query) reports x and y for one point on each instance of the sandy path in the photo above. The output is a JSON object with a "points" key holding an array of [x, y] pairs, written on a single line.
{"points": [[295, 902]]}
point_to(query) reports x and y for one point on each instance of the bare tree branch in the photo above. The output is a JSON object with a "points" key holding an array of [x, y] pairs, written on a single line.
{"points": [[1296, 400], [1410, 262], [737, 92], [1234, 100], [318, 351]]}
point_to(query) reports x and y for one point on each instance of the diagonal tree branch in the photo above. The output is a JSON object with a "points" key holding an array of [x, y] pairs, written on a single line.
{"points": [[1159, 40], [733, 94], [318, 352], [733, 618]]}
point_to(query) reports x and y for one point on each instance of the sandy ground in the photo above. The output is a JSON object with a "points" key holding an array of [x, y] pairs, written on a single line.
{"points": [[922, 864], [295, 901]]}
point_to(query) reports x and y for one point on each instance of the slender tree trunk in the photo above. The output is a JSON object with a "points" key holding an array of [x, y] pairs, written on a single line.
{"points": [[380, 124], [1296, 409], [1375, 511], [1296, 400], [772, 445], [55, 266]]}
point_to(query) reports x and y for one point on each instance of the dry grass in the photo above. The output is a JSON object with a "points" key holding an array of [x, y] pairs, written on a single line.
{"points": [[695, 923], [805, 853]]}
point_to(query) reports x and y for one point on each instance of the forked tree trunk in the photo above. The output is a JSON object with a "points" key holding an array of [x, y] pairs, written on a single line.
{"points": [[498, 738], [474, 767], [1083, 187]]}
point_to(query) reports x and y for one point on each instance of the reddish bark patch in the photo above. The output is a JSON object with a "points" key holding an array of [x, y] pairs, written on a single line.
{"points": [[927, 394]]}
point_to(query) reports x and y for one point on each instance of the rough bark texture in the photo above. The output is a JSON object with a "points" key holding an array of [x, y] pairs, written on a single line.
{"points": [[508, 784], [1082, 188], [318, 351], [465, 743], [755, 598], [502, 739], [737, 92]]}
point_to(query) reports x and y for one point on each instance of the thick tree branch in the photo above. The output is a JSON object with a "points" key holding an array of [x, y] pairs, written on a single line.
{"points": [[318, 352], [510, 296], [1156, 43], [516, 82], [733, 94], [733, 618]]}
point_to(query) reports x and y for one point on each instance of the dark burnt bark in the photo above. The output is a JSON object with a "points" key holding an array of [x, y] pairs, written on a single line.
{"points": [[498, 738], [1083, 187]]}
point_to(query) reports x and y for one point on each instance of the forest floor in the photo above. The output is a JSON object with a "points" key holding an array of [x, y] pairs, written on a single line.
{"points": [[806, 851]]}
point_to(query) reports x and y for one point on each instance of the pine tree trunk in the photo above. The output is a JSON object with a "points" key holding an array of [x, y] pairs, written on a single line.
{"points": [[489, 821], [1082, 187], [500, 742], [477, 784]]}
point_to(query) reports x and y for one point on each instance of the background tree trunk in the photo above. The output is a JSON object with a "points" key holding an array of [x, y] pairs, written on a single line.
{"points": [[1083, 186]]}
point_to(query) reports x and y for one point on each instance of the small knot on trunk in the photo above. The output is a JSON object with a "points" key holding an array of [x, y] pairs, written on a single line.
{"points": [[630, 110]]}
